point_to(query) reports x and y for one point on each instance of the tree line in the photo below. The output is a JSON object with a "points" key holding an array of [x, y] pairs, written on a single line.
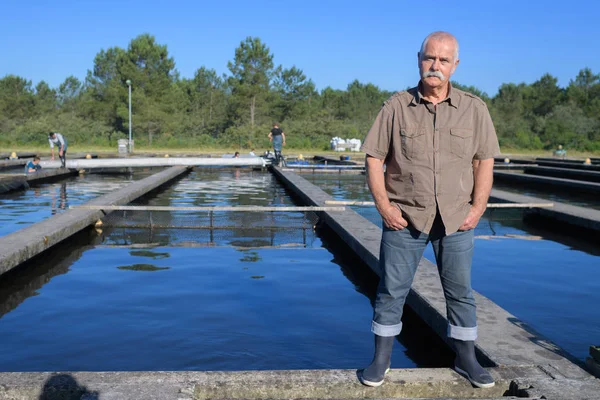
{"points": [[236, 109]]}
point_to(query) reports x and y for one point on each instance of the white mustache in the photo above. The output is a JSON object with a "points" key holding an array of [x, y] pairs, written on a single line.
{"points": [[437, 74]]}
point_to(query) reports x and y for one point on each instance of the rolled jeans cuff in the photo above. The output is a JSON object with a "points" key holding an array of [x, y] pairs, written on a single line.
{"points": [[462, 333], [386, 330]]}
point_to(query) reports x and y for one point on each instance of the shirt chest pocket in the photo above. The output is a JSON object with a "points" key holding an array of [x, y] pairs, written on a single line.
{"points": [[412, 141], [461, 141]]}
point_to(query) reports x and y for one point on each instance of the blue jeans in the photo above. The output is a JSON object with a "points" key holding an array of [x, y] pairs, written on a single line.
{"points": [[399, 258]]}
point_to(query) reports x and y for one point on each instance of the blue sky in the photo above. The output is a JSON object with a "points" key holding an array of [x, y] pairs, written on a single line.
{"points": [[333, 42]]}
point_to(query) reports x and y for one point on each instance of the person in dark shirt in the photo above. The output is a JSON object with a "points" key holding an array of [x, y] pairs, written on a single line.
{"points": [[33, 165], [277, 137]]}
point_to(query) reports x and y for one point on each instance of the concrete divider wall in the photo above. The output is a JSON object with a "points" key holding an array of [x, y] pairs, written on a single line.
{"points": [[586, 176], [26, 243], [579, 217], [21, 181], [558, 183], [6, 164], [570, 165]]}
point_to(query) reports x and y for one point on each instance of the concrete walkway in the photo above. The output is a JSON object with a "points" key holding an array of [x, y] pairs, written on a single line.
{"points": [[422, 383]]}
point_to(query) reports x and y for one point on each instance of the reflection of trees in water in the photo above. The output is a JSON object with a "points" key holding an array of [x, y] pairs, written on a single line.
{"points": [[23, 282], [206, 187]]}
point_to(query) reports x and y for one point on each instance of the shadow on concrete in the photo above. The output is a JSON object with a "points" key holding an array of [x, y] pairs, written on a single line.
{"points": [[64, 386], [540, 340], [423, 346]]}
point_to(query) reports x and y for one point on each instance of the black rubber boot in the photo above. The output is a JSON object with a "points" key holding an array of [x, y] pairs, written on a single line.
{"points": [[373, 375], [467, 365]]}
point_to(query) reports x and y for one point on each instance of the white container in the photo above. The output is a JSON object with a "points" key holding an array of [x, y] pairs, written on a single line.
{"points": [[122, 146]]}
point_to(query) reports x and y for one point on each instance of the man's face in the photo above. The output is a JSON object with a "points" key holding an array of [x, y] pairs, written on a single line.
{"points": [[437, 63]]}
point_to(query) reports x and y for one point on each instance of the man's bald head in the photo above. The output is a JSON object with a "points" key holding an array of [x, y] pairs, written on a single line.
{"points": [[441, 36]]}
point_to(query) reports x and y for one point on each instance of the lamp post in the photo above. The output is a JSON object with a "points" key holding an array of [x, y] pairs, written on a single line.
{"points": [[128, 82]]}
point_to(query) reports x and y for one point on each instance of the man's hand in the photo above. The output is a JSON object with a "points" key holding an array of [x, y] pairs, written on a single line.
{"points": [[392, 218], [60, 153], [472, 219], [52, 158]]}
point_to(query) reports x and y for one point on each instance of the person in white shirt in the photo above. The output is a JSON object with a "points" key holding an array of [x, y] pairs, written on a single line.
{"points": [[58, 139]]}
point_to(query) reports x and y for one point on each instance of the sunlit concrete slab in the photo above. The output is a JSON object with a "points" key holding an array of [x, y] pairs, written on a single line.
{"points": [[424, 383]]}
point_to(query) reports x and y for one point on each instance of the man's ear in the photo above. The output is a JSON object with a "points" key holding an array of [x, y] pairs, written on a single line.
{"points": [[455, 65]]}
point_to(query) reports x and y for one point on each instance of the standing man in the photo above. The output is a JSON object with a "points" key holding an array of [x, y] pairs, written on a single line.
{"points": [[58, 139], [438, 145], [277, 137]]}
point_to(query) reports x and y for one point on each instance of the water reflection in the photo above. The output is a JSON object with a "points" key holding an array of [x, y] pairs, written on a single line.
{"points": [[142, 267], [251, 256], [150, 254], [39, 202], [59, 202], [24, 281], [214, 188]]}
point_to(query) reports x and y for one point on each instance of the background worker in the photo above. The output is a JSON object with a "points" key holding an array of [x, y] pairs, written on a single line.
{"points": [[33, 165], [58, 139]]}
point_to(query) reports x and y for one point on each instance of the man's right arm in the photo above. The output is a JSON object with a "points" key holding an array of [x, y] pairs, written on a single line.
{"points": [[391, 215]]}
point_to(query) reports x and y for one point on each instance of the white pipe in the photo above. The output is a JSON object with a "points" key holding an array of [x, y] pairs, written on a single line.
{"points": [[208, 208], [489, 205], [156, 162]]}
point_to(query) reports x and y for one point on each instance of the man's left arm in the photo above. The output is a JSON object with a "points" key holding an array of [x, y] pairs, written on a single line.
{"points": [[483, 176], [486, 148]]}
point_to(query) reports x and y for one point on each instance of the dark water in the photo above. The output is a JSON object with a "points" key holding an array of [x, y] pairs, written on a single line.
{"points": [[25, 207], [549, 280], [260, 292]]}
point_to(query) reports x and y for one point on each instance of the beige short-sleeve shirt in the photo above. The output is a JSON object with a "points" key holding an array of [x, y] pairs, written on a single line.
{"points": [[429, 151]]}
